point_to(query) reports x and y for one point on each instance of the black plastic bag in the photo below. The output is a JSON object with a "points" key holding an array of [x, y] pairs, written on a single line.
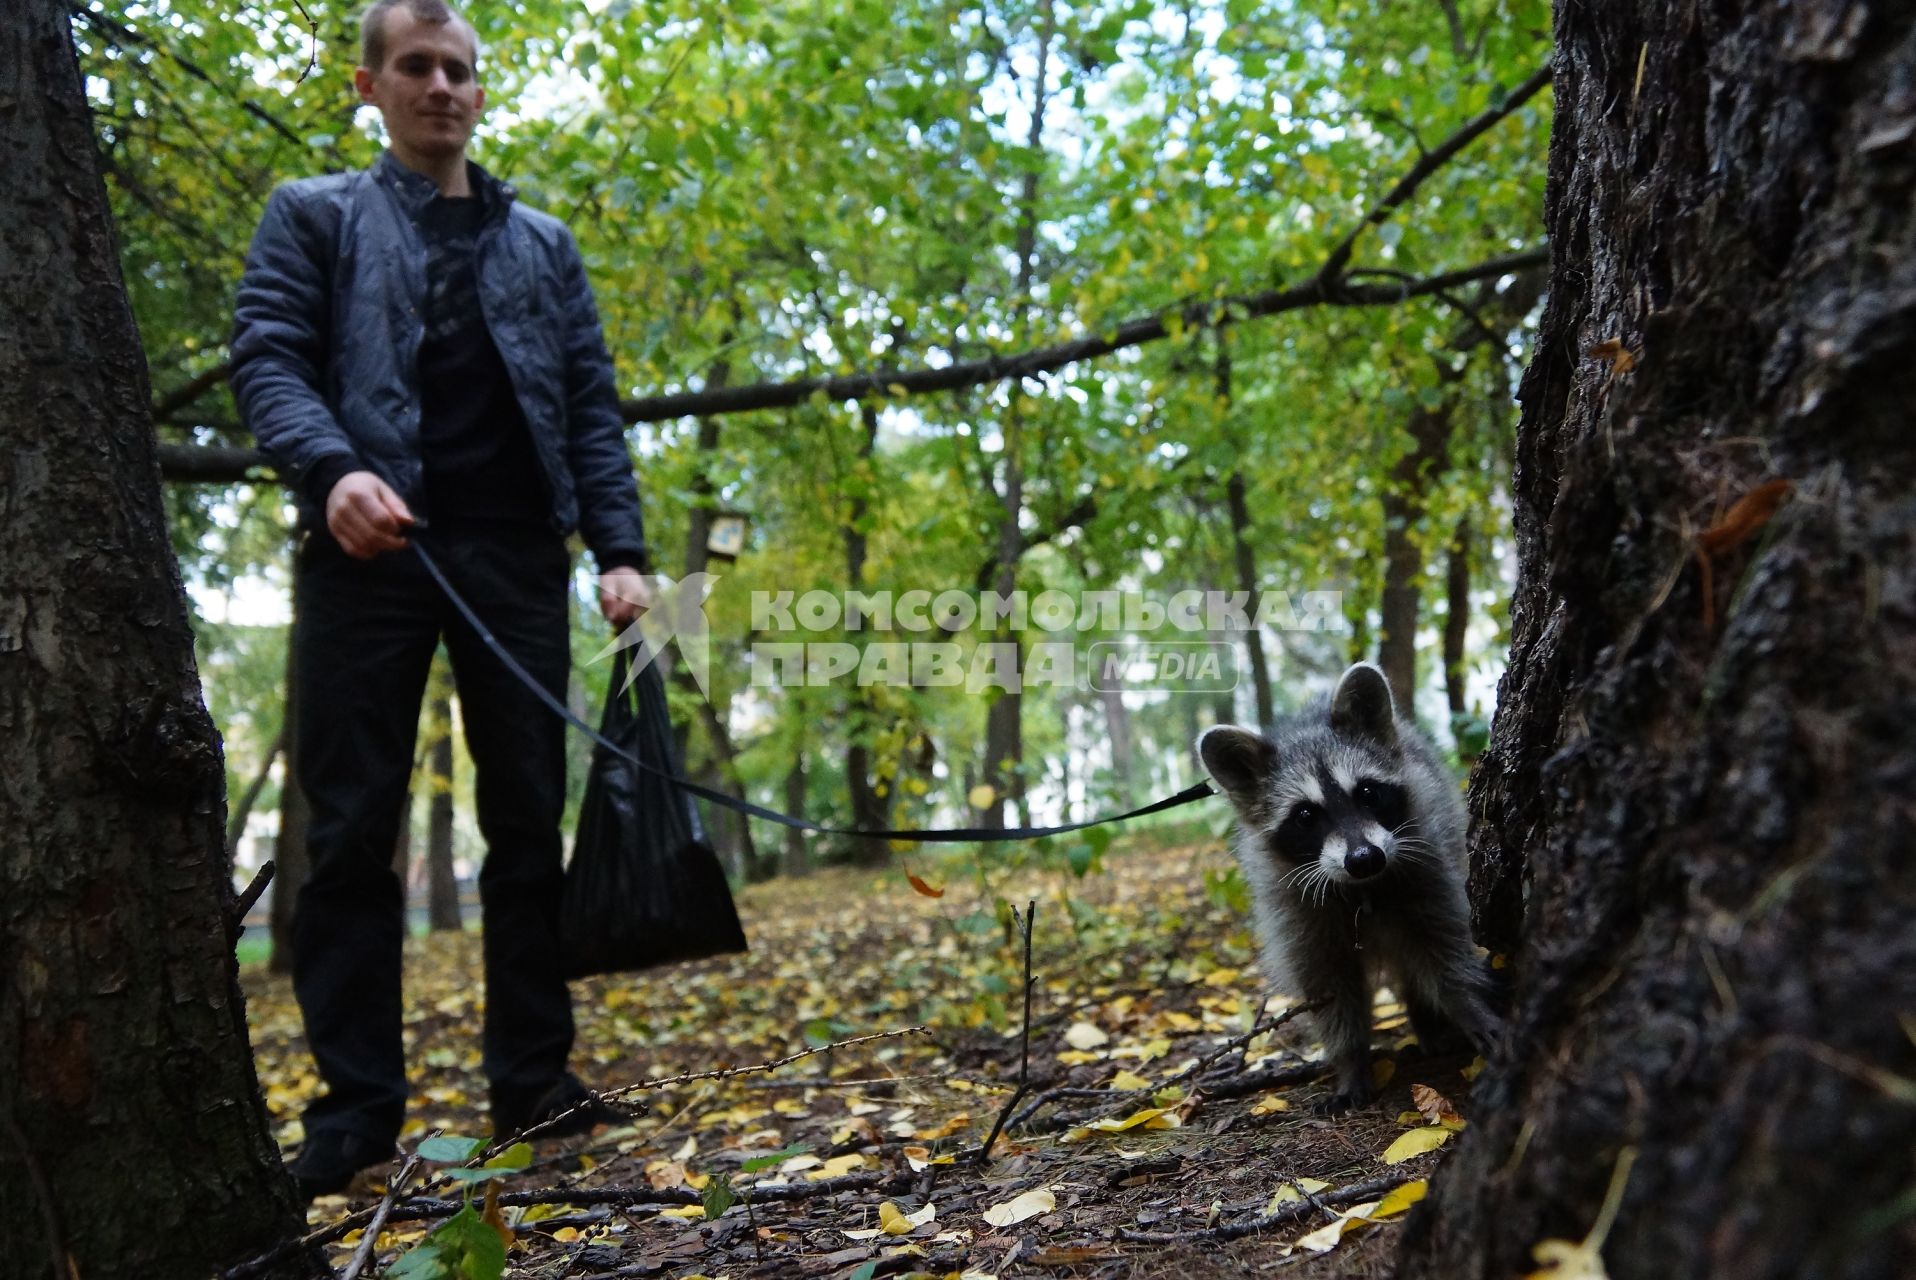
{"points": [[643, 888]]}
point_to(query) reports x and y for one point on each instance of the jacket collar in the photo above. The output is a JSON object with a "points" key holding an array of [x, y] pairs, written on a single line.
{"points": [[415, 190]]}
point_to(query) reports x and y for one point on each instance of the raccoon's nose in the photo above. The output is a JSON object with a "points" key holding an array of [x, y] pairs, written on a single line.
{"points": [[1365, 861]]}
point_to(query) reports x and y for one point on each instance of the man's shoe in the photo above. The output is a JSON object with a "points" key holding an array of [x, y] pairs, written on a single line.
{"points": [[329, 1160], [566, 1110]]}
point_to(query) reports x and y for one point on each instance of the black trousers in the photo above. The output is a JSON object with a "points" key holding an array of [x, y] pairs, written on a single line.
{"points": [[365, 633]]}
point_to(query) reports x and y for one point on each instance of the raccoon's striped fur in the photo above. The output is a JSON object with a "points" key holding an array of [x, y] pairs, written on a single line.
{"points": [[1351, 839]]}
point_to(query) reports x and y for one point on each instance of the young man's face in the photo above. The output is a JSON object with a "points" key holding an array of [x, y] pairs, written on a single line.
{"points": [[426, 90]]}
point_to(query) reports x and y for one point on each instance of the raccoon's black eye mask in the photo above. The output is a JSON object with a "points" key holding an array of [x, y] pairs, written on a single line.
{"points": [[1386, 803]]}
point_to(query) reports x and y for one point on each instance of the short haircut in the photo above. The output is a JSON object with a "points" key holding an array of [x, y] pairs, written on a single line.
{"points": [[372, 27]]}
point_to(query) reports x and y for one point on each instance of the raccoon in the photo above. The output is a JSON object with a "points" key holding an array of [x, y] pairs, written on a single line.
{"points": [[1351, 838]]}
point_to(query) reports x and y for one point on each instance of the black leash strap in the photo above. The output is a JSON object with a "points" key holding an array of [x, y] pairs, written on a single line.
{"points": [[942, 835]]}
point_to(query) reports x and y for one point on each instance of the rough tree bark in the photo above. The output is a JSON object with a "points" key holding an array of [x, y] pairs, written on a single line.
{"points": [[1703, 785], [133, 1139]]}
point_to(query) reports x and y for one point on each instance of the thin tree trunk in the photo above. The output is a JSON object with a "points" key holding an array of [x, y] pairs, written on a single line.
{"points": [[869, 809], [1457, 617], [1117, 728], [739, 852], [133, 1137], [242, 812], [1242, 556], [798, 859], [290, 864], [402, 850], [1004, 721], [1247, 581], [443, 913], [1692, 830], [1405, 499]]}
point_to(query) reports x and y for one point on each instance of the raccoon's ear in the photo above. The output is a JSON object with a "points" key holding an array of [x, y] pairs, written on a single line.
{"points": [[1238, 760], [1361, 707]]}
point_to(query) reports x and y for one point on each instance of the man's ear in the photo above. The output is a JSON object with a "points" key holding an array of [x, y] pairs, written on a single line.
{"points": [[1238, 760], [1362, 707], [363, 81]]}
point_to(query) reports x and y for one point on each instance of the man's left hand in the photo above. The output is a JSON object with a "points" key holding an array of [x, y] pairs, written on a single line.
{"points": [[624, 594]]}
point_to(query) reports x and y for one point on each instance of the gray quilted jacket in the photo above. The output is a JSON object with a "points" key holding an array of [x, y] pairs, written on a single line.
{"points": [[327, 332]]}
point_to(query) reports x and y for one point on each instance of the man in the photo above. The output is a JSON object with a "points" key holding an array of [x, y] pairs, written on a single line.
{"points": [[421, 358]]}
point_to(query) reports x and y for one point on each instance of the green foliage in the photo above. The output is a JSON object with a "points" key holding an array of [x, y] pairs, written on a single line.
{"points": [[765, 192], [463, 1247]]}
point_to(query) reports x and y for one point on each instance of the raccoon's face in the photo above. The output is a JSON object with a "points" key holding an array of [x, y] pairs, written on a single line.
{"points": [[1326, 799], [1337, 825]]}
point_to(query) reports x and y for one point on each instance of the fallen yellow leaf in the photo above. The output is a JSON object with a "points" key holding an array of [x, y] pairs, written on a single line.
{"points": [[837, 1167], [1021, 1208], [1085, 1035], [1149, 1118], [1415, 1143]]}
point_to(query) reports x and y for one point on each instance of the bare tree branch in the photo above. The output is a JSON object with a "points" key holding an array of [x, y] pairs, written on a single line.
{"points": [[190, 390], [1429, 163]]}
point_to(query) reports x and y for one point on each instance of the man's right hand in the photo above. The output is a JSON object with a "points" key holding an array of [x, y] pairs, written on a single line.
{"points": [[365, 516]]}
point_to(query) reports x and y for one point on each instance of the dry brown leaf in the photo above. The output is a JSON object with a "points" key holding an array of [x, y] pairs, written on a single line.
{"points": [[1434, 1106], [1622, 359]]}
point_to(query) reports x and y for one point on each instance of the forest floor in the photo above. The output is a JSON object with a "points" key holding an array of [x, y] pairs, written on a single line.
{"points": [[1159, 1137]]}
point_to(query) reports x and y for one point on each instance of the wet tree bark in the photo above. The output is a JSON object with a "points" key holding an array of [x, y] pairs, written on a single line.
{"points": [[1693, 827], [133, 1138]]}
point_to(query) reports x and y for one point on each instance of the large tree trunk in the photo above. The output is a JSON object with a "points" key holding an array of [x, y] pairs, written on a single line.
{"points": [[133, 1139], [1694, 824]]}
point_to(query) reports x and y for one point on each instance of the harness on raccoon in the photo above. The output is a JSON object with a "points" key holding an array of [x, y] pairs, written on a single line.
{"points": [[936, 835]]}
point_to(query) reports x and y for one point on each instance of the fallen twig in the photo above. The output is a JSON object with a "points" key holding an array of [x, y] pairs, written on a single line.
{"points": [[1355, 1193], [1121, 1098], [363, 1254], [727, 1073], [983, 1153], [417, 1208]]}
